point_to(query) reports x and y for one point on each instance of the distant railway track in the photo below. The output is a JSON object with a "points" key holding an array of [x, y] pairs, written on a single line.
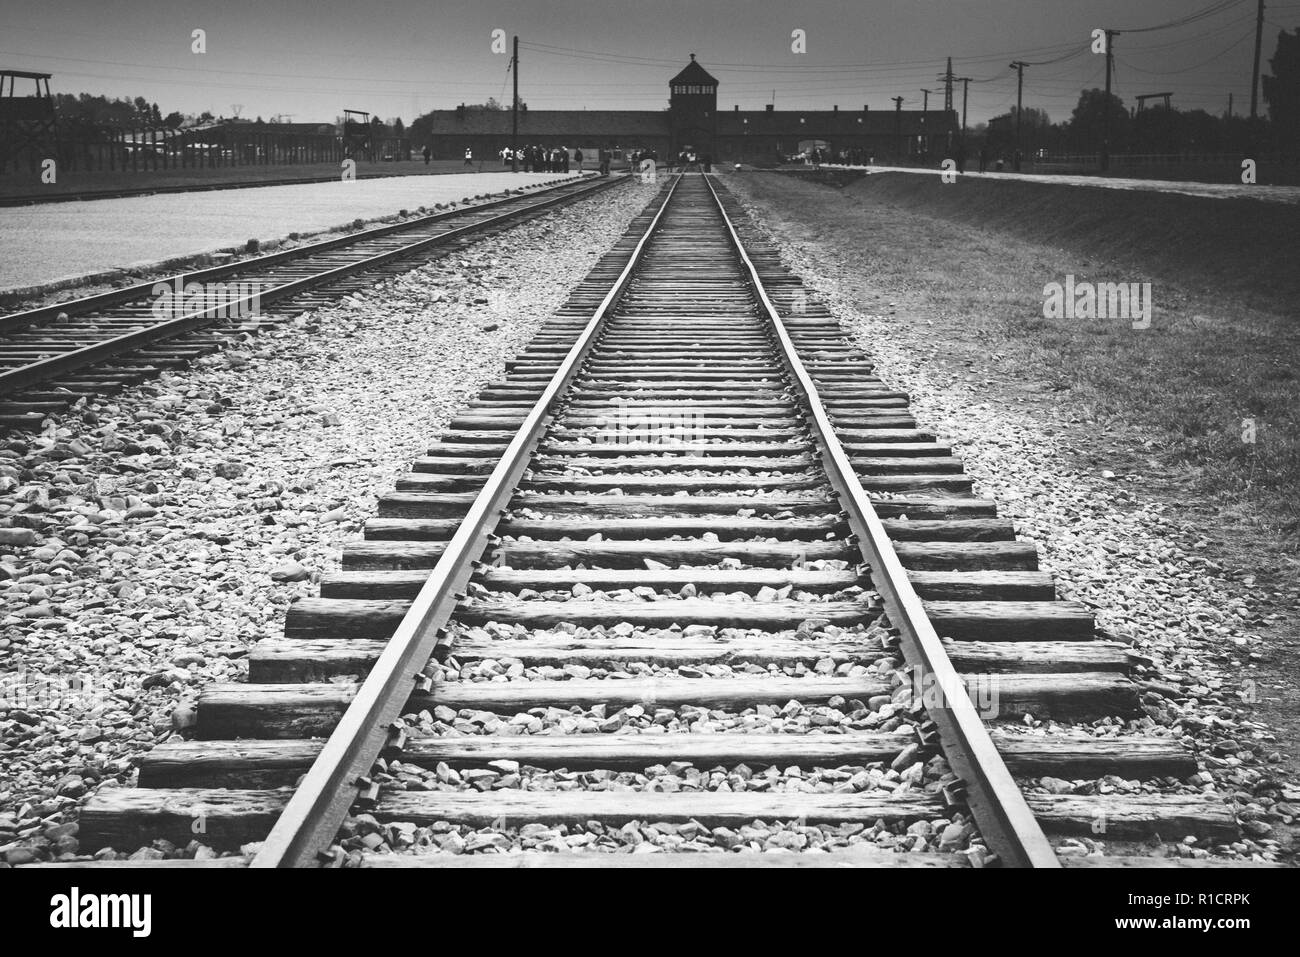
{"points": [[692, 493], [53, 355]]}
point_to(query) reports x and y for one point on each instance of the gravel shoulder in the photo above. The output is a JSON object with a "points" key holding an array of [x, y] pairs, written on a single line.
{"points": [[1265, 194], [148, 539], [1146, 565]]}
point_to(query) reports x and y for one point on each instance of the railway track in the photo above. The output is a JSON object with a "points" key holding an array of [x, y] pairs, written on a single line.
{"points": [[53, 355], [689, 578]]}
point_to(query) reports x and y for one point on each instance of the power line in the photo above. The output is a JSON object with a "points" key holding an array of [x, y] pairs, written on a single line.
{"points": [[1236, 43], [1213, 9], [723, 66]]}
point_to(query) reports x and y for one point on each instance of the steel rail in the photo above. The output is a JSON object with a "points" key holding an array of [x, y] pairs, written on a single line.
{"points": [[995, 800], [312, 817], [14, 379]]}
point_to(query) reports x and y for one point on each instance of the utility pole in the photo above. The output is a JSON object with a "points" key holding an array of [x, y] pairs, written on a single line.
{"points": [[965, 95], [1254, 76], [1105, 113], [514, 111], [947, 79], [925, 131], [898, 122], [1019, 67]]}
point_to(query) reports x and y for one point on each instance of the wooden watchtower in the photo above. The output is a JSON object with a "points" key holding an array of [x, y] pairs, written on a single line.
{"points": [[27, 124], [358, 136]]}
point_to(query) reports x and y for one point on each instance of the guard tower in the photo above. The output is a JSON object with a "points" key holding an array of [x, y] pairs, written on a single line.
{"points": [[693, 106], [357, 135], [27, 127]]}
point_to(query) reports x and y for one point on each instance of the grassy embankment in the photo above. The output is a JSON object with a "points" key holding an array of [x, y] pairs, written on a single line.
{"points": [[973, 258]]}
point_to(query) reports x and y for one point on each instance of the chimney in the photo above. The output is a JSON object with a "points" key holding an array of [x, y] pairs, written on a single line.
{"points": [[835, 108], [865, 107], [737, 107], [771, 107]]}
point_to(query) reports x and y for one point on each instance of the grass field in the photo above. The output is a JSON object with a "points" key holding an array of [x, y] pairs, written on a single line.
{"points": [[1210, 392]]}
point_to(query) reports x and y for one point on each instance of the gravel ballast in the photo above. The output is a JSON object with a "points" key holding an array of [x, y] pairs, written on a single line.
{"points": [[149, 538], [1128, 558]]}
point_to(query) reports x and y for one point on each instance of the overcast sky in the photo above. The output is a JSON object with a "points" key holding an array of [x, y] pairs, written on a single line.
{"points": [[312, 58]]}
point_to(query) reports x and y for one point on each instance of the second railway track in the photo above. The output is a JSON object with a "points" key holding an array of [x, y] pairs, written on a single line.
{"points": [[53, 355], [689, 578]]}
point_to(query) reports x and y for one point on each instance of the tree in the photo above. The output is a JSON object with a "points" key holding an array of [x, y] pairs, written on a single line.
{"points": [[173, 121], [1282, 89], [1087, 126], [1202, 133], [1157, 130], [1035, 132], [492, 105]]}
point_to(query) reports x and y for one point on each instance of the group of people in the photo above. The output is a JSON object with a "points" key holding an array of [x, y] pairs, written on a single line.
{"points": [[687, 159], [855, 157], [542, 159]]}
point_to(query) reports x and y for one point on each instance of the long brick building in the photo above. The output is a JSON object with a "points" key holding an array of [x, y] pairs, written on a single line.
{"points": [[693, 120]]}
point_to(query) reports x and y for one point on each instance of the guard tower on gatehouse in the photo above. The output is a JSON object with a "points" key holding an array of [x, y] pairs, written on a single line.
{"points": [[693, 106]]}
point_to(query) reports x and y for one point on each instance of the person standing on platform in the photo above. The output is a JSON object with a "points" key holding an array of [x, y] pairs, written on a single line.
{"points": [[577, 158], [469, 156], [426, 152]]}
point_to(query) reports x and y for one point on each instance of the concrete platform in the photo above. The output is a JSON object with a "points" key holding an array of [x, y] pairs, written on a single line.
{"points": [[63, 242], [1267, 194]]}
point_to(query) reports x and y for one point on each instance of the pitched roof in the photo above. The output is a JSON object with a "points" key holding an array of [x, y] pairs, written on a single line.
{"points": [[598, 124], [830, 123], [694, 73]]}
